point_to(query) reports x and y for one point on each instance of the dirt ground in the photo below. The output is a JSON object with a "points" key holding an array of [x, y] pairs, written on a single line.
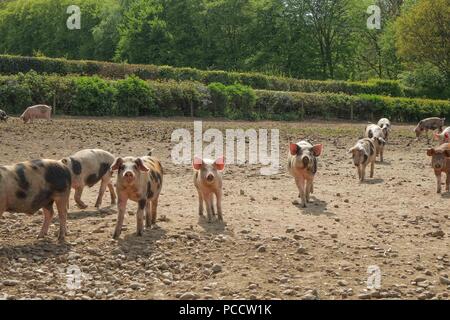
{"points": [[267, 248]]}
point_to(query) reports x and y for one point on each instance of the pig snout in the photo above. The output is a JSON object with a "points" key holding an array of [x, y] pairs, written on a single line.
{"points": [[305, 161], [129, 176], [210, 177]]}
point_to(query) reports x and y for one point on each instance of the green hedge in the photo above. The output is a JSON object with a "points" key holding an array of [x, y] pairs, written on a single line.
{"points": [[132, 96], [16, 64]]}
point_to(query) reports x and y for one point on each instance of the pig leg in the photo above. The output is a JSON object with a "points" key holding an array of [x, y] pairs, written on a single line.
{"points": [[438, 180], [208, 202], [301, 188], [78, 193], [122, 206], [212, 205], [112, 193], [148, 214], [154, 208], [200, 203], [48, 215], [219, 205], [140, 217], [447, 182], [61, 205], [106, 182], [372, 167], [363, 172], [381, 154], [308, 189]]}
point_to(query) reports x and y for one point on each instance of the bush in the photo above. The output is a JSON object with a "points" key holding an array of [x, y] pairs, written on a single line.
{"points": [[426, 81], [134, 97], [15, 64], [93, 96]]}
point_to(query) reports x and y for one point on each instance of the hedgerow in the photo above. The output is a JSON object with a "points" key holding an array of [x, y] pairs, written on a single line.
{"points": [[132, 96], [15, 64]]}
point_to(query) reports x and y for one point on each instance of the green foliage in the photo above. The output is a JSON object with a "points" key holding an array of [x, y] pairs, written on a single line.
{"points": [[14, 64], [134, 97], [93, 96], [426, 81]]}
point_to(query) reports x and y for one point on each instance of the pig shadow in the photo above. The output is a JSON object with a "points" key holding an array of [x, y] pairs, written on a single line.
{"points": [[104, 212], [445, 194], [40, 248], [213, 227], [133, 245], [316, 207], [384, 163], [372, 181]]}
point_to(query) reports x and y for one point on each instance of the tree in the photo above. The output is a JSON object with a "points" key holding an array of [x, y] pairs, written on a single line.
{"points": [[423, 34]]}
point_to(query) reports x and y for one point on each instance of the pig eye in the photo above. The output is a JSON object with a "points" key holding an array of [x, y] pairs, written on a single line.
{"points": [[121, 168]]}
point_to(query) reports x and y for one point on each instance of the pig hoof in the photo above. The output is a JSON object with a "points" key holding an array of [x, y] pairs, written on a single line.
{"points": [[116, 236], [82, 206]]}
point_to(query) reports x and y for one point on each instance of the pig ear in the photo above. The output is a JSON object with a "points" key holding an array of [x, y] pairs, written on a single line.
{"points": [[317, 150], [117, 163], [220, 163], [446, 135], [430, 152], [197, 163], [141, 165], [293, 149]]}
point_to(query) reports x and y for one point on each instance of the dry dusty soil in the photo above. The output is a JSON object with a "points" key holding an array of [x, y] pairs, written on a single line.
{"points": [[267, 248]]}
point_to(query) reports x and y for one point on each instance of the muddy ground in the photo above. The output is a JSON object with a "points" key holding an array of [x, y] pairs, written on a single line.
{"points": [[268, 248]]}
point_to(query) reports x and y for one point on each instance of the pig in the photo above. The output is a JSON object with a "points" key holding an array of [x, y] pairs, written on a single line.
{"points": [[302, 165], [374, 131], [30, 186], [140, 180], [440, 162], [88, 167], [40, 111], [363, 153], [444, 136], [429, 124], [385, 125], [3, 116], [208, 182]]}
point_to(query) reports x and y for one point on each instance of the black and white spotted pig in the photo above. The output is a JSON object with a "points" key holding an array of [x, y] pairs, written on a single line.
{"points": [[208, 182], [364, 153], [140, 180], [88, 167], [29, 186], [3, 116], [302, 165], [375, 131], [385, 125]]}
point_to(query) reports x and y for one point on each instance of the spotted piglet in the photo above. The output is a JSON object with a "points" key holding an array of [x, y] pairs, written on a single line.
{"points": [[363, 153], [88, 167], [208, 182], [140, 180], [29, 186], [302, 165], [440, 162]]}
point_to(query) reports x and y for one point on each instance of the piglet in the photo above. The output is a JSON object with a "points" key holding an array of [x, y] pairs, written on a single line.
{"points": [[40, 111], [429, 124], [440, 162], [3, 116], [302, 165], [208, 182], [444, 136], [88, 167], [385, 125], [140, 180], [364, 153], [29, 186]]}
